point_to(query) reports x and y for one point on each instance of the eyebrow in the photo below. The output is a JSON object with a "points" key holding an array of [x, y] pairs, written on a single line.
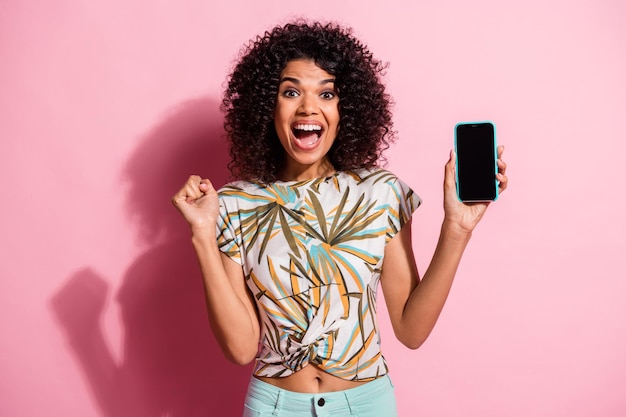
{"points": [[297, 81]]}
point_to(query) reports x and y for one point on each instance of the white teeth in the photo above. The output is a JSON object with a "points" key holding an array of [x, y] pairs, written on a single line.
{"points": [[308, 128]]}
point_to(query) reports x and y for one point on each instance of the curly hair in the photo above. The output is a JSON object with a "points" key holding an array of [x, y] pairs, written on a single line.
{"points": [[249, 101]]}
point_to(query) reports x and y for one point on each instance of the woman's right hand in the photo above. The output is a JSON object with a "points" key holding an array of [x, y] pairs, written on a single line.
{"points": [[197, 202]]}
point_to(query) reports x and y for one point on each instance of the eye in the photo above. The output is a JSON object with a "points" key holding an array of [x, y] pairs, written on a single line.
{"points": [[290, 92], [328, 95]]}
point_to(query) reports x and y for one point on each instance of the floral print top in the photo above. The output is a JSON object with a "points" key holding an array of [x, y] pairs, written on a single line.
{"points": [[312, 253]]}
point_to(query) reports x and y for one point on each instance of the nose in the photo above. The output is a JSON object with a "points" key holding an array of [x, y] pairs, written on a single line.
{"points": [[308, 104]]}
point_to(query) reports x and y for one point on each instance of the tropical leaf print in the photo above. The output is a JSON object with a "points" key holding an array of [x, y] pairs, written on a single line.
{"points": [[312, 252]]}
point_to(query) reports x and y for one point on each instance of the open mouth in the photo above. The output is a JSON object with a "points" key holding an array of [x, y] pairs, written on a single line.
{"points": [[307, 134]]}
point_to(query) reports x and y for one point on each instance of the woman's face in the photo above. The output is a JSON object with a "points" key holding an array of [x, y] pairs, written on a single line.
{"points": [[306, 119]]}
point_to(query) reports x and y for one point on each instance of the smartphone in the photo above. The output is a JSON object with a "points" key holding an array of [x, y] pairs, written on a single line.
{"points": [[476, 161]]}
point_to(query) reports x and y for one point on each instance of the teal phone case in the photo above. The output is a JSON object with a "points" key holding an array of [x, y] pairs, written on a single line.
{"points": [[495, 160]]}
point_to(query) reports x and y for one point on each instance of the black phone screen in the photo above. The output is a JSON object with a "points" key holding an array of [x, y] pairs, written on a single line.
{"points": [[476, 162]]}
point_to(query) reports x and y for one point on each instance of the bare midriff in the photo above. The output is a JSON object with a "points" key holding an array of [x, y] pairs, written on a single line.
{"points": [[311, 379]]}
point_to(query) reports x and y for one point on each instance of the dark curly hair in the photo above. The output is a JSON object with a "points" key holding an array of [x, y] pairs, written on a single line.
{"points": [[250, 98]]}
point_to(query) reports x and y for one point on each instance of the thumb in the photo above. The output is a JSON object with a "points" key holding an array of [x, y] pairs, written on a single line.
{"points": [[450, 171], [207, 187]]}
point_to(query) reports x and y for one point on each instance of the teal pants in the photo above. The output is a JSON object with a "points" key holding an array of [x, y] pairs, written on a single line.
{"points": [[373, 399]]}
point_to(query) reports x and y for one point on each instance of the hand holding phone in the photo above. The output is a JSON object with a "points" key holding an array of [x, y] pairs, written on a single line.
{"points": [[476, 161]]}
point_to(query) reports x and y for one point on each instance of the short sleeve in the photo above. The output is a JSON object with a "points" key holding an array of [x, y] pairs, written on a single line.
{"points": [[402, 202], [228, 240]]}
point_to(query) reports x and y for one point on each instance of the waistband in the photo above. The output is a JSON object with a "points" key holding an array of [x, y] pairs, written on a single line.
{"points": [[328, 401]]}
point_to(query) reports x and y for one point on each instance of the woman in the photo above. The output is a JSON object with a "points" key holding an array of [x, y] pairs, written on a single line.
{"points": [[293, 251]]}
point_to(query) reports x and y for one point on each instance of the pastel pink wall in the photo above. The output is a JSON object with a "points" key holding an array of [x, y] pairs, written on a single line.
{"points": [[105, 107]]}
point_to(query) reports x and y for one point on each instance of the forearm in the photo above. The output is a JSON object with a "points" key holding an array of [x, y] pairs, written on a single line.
{"points": [[415, 306], [231, 316], [426, 301]]}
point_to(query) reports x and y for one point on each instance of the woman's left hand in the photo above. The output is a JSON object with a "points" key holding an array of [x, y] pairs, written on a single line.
{"points": [[465, 216]]}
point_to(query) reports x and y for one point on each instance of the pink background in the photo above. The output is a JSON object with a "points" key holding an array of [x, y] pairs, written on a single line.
{"points": [[107, 106]]}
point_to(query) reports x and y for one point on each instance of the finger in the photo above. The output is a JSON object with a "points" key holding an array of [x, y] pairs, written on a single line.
{"points": [[501, 166], [206, 186], [192, 188], [198, 187], [503, 181], [189, 192]]}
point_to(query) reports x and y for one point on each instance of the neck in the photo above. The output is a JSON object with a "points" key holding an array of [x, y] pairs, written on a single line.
{"points": [[307, 172]]}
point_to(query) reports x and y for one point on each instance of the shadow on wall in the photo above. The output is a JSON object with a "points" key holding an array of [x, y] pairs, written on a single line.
{"points": [[171, 365]]}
